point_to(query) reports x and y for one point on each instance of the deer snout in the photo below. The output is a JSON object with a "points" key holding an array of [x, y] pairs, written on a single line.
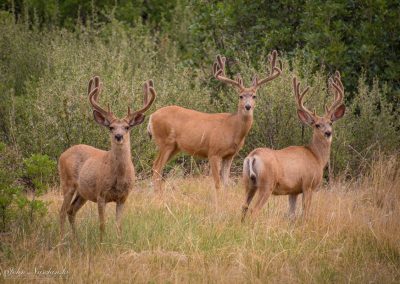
{"points": [[328, 134], [118, 137], [247, 106]]}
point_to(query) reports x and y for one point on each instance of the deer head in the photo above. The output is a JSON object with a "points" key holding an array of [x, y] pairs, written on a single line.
{"points": [[322, 124], [119, 128], [247, 96]]}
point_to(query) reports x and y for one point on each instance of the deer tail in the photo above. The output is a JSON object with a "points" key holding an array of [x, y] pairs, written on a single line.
{"points": [[250, 168]]}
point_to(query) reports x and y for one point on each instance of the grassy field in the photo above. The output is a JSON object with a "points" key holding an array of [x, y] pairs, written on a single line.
{"points": [[353, 235]]}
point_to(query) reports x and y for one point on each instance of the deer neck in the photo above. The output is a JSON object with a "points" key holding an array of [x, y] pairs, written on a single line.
{"points": [[120, 156], [321, 148], [244, 121]]}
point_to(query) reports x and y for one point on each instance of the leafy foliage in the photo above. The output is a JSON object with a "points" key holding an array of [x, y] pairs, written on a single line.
{"points": [[39, 168], [351, 36], [59, 115], [16, 206]]}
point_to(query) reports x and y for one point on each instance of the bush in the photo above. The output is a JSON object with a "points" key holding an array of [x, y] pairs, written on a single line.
{"points": [[59, 114], [16, 207], [39, 168]]}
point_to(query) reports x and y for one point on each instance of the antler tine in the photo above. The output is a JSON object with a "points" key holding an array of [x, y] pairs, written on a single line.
{"points": [[275, 70], [90, 86], [239, 80], [94, 90], [299, 96], [336, 84], [95, 83], [219, 72], [148, 87]]}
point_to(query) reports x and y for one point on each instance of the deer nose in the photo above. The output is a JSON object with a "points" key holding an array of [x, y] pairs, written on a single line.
{"points": [[118, 137], [247, 106], [328, 134]]}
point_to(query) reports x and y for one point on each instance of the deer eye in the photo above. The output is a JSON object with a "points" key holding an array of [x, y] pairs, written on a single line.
{"points": [[317, 125], [254, 97], [330, 123], [111, 128], [126, 127], [241, 97]]}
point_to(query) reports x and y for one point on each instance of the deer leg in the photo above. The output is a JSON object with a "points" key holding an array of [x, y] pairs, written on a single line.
{"points": [[163, 157], [77, 204], [119, 208], [63, 211], [292, 205], [215, 163], [263, 194], [101, 206], [250, 192], [156, 173], [307, 194], [225, 171]]}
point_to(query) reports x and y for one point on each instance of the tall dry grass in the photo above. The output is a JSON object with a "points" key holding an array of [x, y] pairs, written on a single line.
{"points": [[352, 235]]}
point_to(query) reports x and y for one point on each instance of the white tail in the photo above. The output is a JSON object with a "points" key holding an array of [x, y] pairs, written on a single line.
{"points": [[96, 175], [249, 168], [217, 137], [296, 169]]}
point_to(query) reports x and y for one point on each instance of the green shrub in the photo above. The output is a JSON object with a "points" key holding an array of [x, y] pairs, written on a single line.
{"points": [[39, 168], [17, 206], [50, 111]]}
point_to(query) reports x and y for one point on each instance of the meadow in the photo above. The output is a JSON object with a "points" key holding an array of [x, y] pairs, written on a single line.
{"points": [[352, 236]]}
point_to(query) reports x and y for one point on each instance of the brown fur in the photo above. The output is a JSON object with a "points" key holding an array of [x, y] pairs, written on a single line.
{"points": [[295, 169], [87, 173], [217, 137]]}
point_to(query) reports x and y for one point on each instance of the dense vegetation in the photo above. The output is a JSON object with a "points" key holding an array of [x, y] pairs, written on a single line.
{"points": [[353, 36]]}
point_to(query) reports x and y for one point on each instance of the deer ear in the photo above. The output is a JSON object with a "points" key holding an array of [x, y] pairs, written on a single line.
{"points": [[100, 119], [305, 117], [137, 119], [339, 112]]}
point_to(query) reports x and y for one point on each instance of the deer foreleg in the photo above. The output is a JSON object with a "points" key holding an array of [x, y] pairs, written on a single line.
{"points": [[292, 205], [307, 194], [119, 208], [225, 171], [215, 163], [101, 206]]}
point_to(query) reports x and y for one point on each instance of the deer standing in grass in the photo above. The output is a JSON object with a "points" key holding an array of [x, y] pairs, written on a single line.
{"points": [[295, 169], [217, 136], [96, 175]]}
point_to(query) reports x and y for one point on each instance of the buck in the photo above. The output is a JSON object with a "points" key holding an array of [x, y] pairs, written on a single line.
{"points": [[217, 136], [296, 169], [96, 175]]}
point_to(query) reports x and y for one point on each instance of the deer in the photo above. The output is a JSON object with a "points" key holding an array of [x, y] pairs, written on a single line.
{"points": [[87, 173], [295, 169], [215, 136]]}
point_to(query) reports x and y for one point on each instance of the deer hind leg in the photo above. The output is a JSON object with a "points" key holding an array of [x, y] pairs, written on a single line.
{"points": [[292, 205], [215, 163], [69, 191], [163, 157], [264, 192], [225, 170], [251, 189], [77, 204]]}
